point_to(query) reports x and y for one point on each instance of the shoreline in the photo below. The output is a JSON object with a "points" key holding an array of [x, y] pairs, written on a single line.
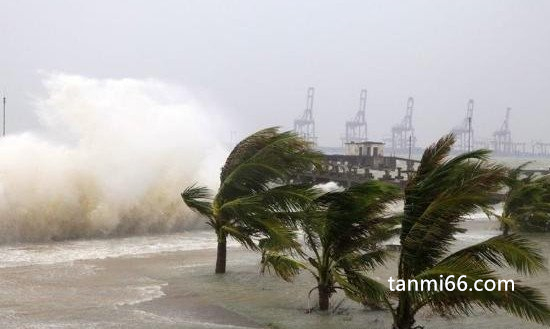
{"points": [[178, 289], [188, 306]]}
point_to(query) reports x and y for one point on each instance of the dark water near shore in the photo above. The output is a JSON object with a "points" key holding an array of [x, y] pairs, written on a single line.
{"points": [[167, 282]]}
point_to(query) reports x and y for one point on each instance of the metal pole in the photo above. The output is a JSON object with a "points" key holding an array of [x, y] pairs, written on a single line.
{"points": [[410, 146], [469, 133], [4, 116]]}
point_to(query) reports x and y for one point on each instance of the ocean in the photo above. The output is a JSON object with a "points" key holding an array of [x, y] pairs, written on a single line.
{"points": [[167, 281]]}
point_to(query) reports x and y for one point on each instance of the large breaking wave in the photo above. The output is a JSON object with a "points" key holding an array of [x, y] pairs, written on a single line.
{"points": [[111, 159]]}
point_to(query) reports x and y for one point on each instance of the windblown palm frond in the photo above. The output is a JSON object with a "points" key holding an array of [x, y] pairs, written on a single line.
{"points": [[265, 158], [283, 266], [526, 203], [511, 250], [437, 198], [522, 301], [344, 232], [255, 201], [199, 199], [361, 288]]}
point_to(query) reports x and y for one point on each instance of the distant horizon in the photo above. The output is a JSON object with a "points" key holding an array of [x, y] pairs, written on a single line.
{"points": [[255, 62]]}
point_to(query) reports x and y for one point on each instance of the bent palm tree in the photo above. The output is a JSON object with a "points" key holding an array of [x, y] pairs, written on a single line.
{"points": [[343, 232], [253, 203], [526, 203], [437, 197]]}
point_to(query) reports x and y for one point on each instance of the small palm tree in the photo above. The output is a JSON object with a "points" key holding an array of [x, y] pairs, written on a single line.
{"points": [[254, 202], [437, 198], [343, 231], [526, 203]]}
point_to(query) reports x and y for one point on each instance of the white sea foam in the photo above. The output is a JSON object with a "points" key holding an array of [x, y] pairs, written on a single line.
{"points": [[144, 294], [69, 251], [112, 158]]}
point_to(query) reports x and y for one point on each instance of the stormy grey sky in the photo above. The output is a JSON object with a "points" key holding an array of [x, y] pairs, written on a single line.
{"points": [[255, 59]]}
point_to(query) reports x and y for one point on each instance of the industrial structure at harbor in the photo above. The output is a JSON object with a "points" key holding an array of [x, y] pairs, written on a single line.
{"points": [[392, 160], [403, 139]]}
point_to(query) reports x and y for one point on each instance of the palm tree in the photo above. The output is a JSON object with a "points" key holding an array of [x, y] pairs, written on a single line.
{"points": [[437, 197], [254, 201], [343, 231], [526, 204]]}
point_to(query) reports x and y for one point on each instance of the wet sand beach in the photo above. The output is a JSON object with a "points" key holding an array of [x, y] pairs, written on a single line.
{"points": [[132, 286]]}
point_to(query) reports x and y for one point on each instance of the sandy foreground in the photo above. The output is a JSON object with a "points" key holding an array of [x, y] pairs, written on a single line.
{"points": [[165, 290], [182, 301], [179, 290]]}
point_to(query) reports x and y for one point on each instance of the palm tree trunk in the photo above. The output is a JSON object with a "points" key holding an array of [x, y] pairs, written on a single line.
{"points": [[505, 229], [221, 257], [324, 297], [404, 318], [404, 322]]}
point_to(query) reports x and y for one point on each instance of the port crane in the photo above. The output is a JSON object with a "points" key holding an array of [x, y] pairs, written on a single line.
{"points": [[356, 129], [305, 125]]}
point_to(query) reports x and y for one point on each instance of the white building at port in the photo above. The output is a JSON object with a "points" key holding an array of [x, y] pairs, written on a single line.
{"points": [[367, 149]]}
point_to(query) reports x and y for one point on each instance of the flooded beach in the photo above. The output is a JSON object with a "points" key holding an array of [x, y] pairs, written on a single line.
{"points": [[167, 281], [275, 164]]}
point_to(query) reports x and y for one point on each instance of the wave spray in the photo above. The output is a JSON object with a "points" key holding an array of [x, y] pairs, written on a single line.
{"points": [[111, 160]]}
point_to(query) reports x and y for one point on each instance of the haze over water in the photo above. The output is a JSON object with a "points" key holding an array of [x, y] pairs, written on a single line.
{"points": [[107, 165], [113, 107]]}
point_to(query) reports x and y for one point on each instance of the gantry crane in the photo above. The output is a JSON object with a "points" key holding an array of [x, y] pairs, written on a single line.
{"points": [[403, 139], [356, 129], [502, 143], [305, 125], [464, 133]]}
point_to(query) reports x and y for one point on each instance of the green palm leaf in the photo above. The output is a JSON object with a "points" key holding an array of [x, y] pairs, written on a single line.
{"points": [[510, 250], [437, 199], [199, 199], [527, 202], [523, 301], [283, 266], [344, 233], [264, 158], [255, 201]]}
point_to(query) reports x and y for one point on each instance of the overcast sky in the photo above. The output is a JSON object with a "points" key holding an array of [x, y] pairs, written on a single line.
{"points": [[255, 59]]}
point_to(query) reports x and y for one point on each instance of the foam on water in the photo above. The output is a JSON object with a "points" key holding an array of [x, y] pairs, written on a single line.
{"points": [[69, 251], [145, 294], [112, 158]]}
